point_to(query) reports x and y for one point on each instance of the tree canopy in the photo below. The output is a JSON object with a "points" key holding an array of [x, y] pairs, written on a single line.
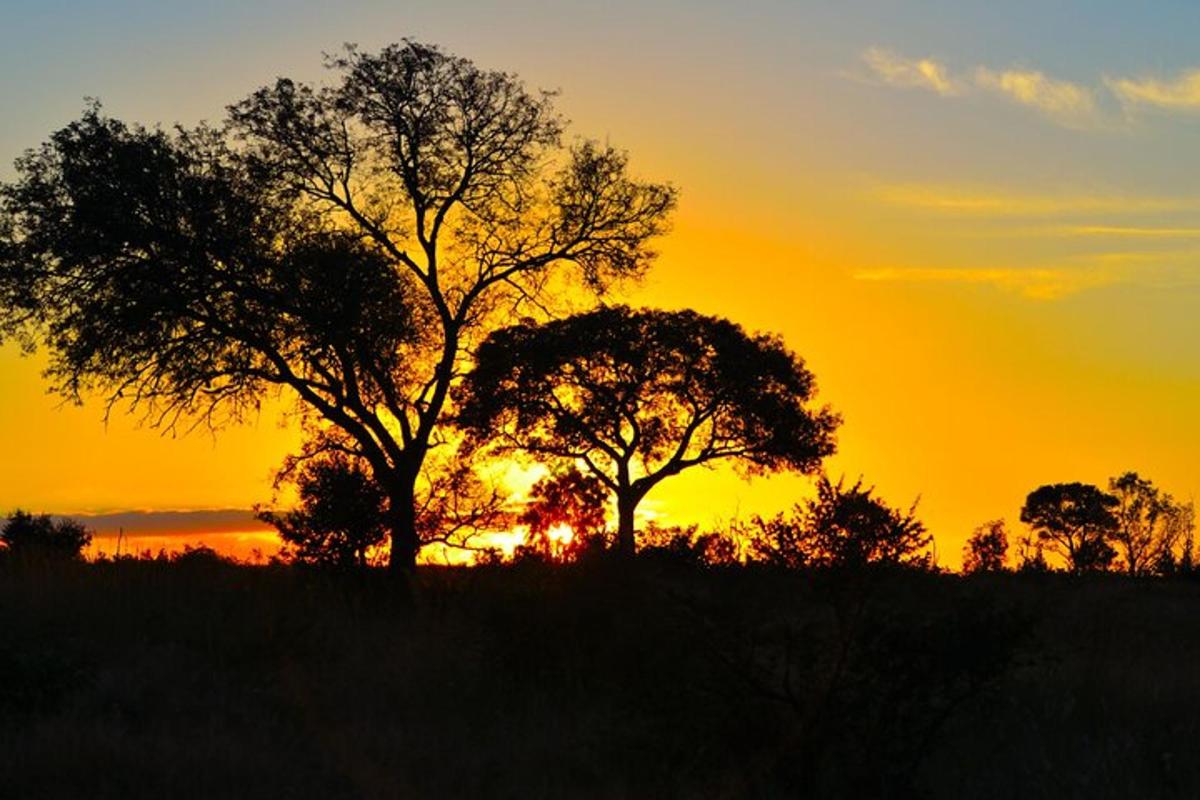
{"points": [[1076, 521], [637, 396], [348, 243]]}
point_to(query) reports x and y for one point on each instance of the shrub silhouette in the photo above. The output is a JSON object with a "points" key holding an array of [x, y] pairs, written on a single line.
{"points": [[568, 498], [987, 548], [841, 527], [342, 515], [29, 536]]}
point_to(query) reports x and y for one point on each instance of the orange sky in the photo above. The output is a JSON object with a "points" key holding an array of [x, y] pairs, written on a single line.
{"points": [[984, 241]]}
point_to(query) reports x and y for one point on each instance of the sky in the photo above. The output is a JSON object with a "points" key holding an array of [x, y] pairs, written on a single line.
{"points": [[977, 222]]}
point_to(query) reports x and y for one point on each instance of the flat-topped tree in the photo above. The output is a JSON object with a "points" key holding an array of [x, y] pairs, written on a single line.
{"points": [[347, 243], [640, 395], [1076, 520]]}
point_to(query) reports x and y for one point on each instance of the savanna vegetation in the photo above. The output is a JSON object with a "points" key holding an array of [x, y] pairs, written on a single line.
{"points": [[419, 257]]}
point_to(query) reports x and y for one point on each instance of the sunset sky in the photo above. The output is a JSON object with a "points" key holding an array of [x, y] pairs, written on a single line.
{"points": [[979, 223]]}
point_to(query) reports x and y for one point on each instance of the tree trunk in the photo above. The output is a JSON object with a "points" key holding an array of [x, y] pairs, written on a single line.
{"points": [[626, 541], [402, 521]]}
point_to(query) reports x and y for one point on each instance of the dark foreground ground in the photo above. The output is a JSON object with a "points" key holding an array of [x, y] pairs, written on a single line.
{"points": [[191, 680]]}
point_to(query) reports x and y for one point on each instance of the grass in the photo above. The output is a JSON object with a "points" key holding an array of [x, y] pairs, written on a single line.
{"points": [[205, 679]]}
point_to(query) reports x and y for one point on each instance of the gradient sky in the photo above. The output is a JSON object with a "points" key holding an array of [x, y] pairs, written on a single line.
{"points": [[978, 222]]}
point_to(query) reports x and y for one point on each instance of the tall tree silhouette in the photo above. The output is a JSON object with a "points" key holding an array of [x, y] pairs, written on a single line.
{"points": [[1075, 520], [640, 395], [346, 242]]}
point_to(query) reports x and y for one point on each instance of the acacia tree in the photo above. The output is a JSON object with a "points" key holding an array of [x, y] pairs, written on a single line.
{"points": [[636, 396], [1075, 520], [347, 243]]}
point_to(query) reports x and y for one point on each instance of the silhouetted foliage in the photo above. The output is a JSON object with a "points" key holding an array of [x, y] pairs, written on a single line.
{"points": [[569, 499], [43, 537], [688, 546], [342, 515], [1152, 531], [1076, 521], [641, 395], [348, 243], [1031, 555], [842, 527], [987, 548]]}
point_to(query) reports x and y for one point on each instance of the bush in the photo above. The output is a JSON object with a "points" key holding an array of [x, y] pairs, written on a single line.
{"points": [[341, 519], [842, 528], [26, 535], [987, 548]]}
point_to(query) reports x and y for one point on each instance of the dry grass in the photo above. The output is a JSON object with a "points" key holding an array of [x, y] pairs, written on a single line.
{"points": [[144, 679]]}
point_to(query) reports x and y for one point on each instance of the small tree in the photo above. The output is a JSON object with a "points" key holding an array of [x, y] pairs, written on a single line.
{"points": [[987, 548], [1075, 520], [41, 536], [842, 527], [342, 515], [640, 395], [1152, 529], [568, 498]]}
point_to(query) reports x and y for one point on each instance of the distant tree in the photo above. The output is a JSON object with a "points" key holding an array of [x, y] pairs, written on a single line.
{"points": [[987, 548], [1031, 555], [342, 515], [348, 243], [842, 527], [1151, 527], [567, 498], [1184, 519], [640, 395], [41, 536], [1075, 520]]}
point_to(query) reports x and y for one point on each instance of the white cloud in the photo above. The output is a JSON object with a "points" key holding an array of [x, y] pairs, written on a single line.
{"points": [[1181, 93], [912, 73], [1069, 104], [1064, 102]]}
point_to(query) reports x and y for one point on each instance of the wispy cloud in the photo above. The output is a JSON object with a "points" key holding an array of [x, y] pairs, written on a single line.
{"points": [[913, 73], [166, 523], [1064, 102], [1072, 275], [984, 201], [1126, 232], [1037, 284], [1179, 93]]}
